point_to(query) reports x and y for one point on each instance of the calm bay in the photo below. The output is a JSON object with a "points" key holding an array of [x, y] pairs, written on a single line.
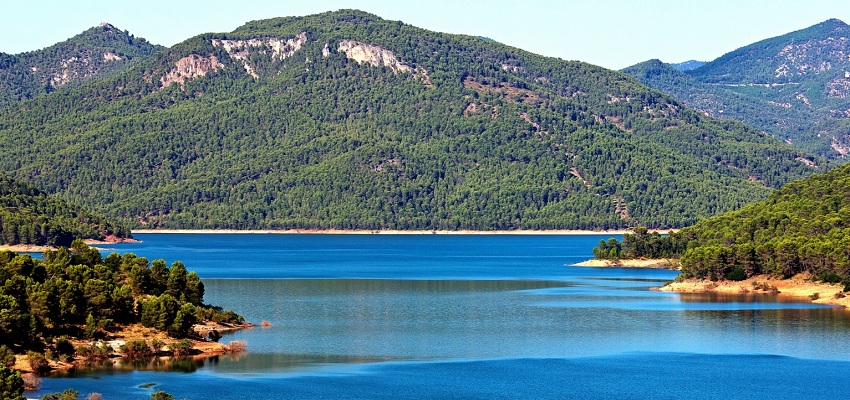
{"points": [[475, 316]]}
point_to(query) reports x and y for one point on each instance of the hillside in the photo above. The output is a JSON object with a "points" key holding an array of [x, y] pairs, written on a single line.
{"points": [[345, 120], [29, 216], [804, 227], [794, 87], [98, 51], [688, 65], [723, 102]]}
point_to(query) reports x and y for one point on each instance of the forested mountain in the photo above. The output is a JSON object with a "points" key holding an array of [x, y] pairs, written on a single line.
{"points": [[724, 102], [96, 52], [345, 120], [795, 87], [802, 227], [688, 65], [29, 216]]}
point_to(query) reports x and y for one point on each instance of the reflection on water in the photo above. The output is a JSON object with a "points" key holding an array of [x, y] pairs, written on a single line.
{"points": [[493, 316], [162, 364], [445, 319]]}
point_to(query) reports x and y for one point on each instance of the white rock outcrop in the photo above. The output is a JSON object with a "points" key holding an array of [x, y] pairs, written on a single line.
{"points": [[372, 55], [278, 49], [190, 67]]}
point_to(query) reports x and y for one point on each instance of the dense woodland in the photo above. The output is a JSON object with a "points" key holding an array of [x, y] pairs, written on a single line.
{"points": [[77, 293], [477, 135], [793, 87], [802, 228], [29, 216], [97, 52]]}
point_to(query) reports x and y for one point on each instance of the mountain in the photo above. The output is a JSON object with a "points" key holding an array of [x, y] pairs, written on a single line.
{"points": [[29, 216], [804, 227], [346, 120], [688, 65], [96, 52], [723, 102], [796, 87]]}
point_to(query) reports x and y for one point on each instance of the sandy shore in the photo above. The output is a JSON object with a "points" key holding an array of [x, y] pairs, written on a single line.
{"points": [[799, 287], [202, 348], [25, 248], [388, 232], [29, 248], [660, 263]]}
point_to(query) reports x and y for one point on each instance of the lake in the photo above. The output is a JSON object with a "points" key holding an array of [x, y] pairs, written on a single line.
{"points": [[475, 316]]}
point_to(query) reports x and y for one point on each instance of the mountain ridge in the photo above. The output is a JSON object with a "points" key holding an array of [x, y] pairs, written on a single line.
{"points": [[795, 87], [345, 120], [97, 51]]}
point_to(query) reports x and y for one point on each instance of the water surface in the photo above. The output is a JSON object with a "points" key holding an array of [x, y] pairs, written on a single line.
{"points": [[436, 316]]}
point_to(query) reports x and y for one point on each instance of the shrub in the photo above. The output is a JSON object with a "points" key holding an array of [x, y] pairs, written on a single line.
{"points": [[160, 395], [156, 345], [64, 349], [68, 394], [237, 345], [136, 349], [181, 348], [37, 362], [95, 352], [736, 274], [765, 287]]}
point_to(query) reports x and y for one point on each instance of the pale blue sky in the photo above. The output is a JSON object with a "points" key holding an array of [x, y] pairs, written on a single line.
{"points": [[610, 33]]}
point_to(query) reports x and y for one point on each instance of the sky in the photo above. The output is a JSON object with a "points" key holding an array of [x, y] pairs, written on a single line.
{"points": [[611, 33]]}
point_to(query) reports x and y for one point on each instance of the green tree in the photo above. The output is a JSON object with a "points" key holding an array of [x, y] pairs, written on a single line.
{"points": [[11, 384], [91, 327], [7, 356], [176, 279], [161, 395], [67, 394]]}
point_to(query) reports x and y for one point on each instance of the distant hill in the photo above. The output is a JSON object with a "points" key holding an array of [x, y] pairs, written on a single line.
{"points": [[795, 87], [346, 120], [29, 216], [688, 65], [96, 52], [723, 102]]}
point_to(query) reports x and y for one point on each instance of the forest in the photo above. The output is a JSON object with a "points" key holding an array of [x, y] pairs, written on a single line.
{"points": [[804, 227], [77, 294], [474, 135], [29, 216]]}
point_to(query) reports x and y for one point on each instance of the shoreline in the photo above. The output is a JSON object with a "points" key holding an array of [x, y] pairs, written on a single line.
{"points": [[798, 287], [657, 263], [201, 348], [31, 248], [575, 232]]}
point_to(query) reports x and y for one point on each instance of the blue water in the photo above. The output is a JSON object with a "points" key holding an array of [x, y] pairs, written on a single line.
{"points": [[268, 256], [436, 316]]}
